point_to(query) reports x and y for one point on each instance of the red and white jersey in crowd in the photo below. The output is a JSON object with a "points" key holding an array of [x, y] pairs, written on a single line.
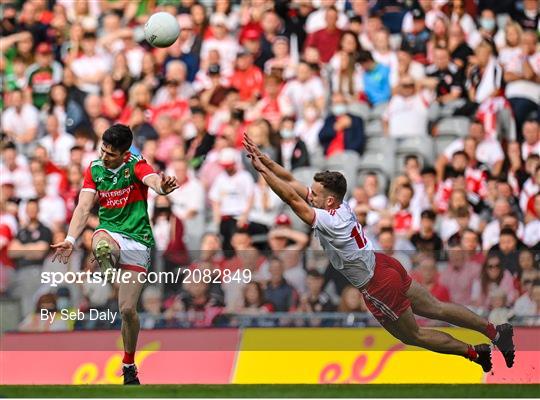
{"points": [[530, 189], [345, 243], [475, 181], [528, 149], [442, 196]]}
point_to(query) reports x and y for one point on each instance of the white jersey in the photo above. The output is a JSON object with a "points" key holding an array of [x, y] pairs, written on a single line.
{"points": [[345, 243]]}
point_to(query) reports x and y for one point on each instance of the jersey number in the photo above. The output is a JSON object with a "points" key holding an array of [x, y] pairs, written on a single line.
{"points": [[358, 237]]}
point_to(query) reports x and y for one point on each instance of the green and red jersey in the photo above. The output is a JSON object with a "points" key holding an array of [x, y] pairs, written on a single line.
{"points": [[122, 197]]}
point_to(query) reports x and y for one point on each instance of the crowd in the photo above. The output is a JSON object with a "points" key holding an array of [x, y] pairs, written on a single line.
{"points": [[431, 109]]}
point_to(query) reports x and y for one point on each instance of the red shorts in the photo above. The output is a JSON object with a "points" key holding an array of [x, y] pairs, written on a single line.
{"points": [[385, 294]]}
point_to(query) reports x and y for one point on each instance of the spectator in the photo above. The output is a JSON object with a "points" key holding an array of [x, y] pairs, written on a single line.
{"points": [[459, 275], [388, 245], [493, 276], [508, 250], [29, 250], [498, 306], [530, 233], [407, 112], [57, 142], [281, 64], [201, 305], [458, 47], [406, 218], [426, 239], [265, 208], [376, 79], [272, 106], [169, 139], [222, 42], [187, 203], [429, 278], [342, 131], [231, 197], [43, 74], [278, 291], [91, 67], [305, 88], [69, 113], [416, 40], [326, 40], [308, 127], [293, 152], [253, 302], [151, 300], [531, 136], [20, 122], [247, 78], [525, 306], [199, 146], [488, 30], [315, 300], [33, 322], [52, 209], [522, 89], [445, 78], [488, 150], [14, 171]]}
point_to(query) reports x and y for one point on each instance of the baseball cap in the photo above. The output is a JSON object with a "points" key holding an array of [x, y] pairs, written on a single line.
{"points": [[44, 48], [283, 219], [227, 157], [218, 19]]}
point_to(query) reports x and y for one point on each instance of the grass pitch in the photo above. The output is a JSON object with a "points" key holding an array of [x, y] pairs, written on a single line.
{"points": [[268, 391]]}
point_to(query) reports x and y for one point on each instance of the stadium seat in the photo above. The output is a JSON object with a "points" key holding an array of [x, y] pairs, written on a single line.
{"points": [[305, 174], [378, 111], [360, 110], [421, 146], [347, 163], [374, 128], [442, 141], [317, 159], [458, 126], [378, 143], [377, 162]]}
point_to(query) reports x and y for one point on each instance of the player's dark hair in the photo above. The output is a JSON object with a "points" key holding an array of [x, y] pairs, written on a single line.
{"points": [[334, 182], [119, 137]]}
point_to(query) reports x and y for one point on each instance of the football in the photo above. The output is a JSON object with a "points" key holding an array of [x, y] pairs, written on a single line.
{"points": [[161, 29]]}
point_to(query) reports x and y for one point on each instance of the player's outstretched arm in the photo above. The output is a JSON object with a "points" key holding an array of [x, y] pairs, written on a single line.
{"points": [[275, 168], [161, 184], [285, 191], [78, 222]]}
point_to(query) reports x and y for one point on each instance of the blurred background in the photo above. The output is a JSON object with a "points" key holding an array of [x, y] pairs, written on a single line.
{"points": [[429, 108]]}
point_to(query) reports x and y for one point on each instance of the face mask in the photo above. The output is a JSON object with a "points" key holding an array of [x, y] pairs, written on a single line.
{"points": [[310, 114], [487, 24], [339, 109], [286, 134], [531, 14]]}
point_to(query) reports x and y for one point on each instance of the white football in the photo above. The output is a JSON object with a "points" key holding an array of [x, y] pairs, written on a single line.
{"points": [[161, 29]]}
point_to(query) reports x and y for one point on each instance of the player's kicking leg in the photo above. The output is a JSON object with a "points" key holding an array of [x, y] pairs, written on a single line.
{"points": [[407, 330], [106, 252], [128, 296], [423, 303]]}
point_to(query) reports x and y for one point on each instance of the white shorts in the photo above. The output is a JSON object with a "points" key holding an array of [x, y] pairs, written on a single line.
{"points": [[134, 256]]}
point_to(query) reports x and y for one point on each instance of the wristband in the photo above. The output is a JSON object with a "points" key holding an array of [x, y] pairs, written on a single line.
{"points": [[70, 239]]}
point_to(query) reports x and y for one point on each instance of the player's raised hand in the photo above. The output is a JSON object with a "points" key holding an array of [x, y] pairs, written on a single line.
{"points": [[63, 251], [256, 162], [250, 146], [168, 183]]}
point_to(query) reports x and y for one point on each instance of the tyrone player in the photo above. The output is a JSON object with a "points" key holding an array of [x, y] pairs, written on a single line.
{"points": [[119, 180], [389, 292]]}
